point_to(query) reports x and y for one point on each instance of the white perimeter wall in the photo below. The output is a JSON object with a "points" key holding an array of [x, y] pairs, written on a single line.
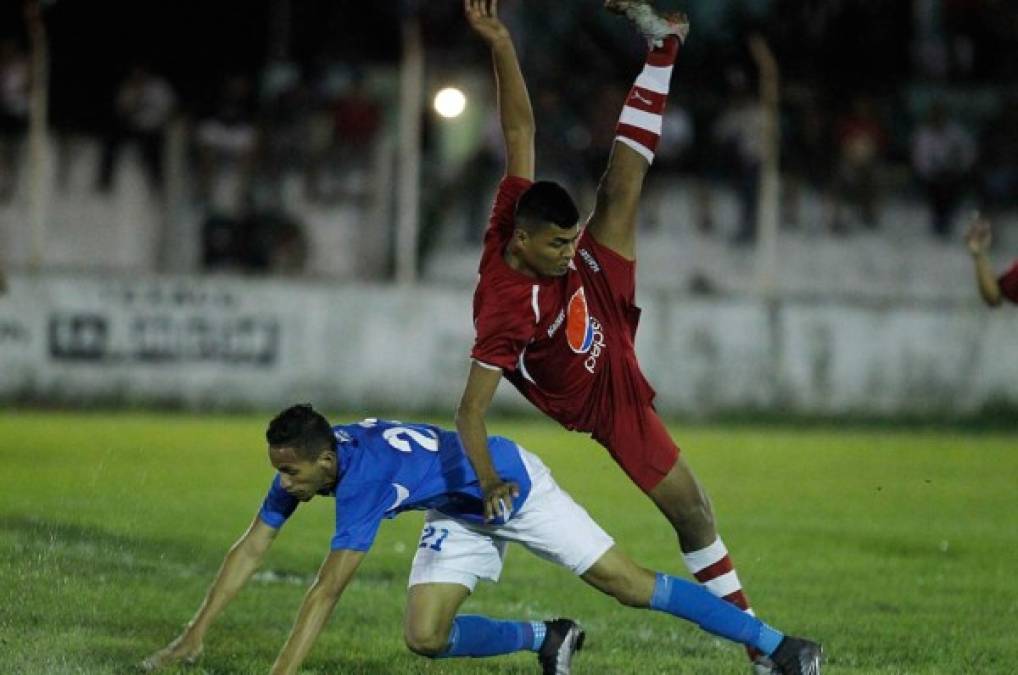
{"points": [[229, 342]]}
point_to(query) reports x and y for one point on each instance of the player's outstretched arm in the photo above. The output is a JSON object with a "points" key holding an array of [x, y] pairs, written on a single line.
{"points": [[240, 563], [978, 237], [321, 599], [514, 109], [481, 385]]}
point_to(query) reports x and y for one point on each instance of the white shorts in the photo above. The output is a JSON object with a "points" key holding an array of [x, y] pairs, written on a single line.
{"points": [[550, 524]]}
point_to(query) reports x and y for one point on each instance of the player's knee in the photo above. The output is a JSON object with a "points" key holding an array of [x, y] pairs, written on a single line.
{"points": [[429, 641]]}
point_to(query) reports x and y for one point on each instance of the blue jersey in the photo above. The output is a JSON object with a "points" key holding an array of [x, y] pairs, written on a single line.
{"points": [[387, 467]]}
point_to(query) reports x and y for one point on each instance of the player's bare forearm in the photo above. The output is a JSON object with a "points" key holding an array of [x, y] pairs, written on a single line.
{"points": [[978, 237], [515, 112], [239, 564], [986, 278], [320, 601], [473, 434], [316, 610], [480, 389]]}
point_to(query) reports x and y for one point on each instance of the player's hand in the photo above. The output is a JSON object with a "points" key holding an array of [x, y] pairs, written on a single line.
{"points": [[978, 235], [184, 649], [483, 18], [498, 499], [761, 52]]}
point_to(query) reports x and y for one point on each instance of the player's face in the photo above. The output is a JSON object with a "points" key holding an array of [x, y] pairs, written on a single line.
{"points": [[304, 478], [549, 249]]}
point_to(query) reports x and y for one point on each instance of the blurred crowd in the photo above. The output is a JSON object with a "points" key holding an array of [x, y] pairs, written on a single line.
{"points": [[877, 100]]}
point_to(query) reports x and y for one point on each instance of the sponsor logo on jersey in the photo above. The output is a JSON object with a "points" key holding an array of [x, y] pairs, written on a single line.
{"points": [[579, 332], [589, 259], [597, 346], [341, 436], [584, 333]]}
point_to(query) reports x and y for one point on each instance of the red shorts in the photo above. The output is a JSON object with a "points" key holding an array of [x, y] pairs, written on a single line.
{"points": [[639, 443], [633, 433]]}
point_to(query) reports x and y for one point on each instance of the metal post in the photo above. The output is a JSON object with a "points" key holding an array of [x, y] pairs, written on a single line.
{"points": [[38, 146], [768, 199], [408, 176]]}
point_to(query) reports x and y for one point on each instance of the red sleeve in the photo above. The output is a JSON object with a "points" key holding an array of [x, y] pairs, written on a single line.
{"points": [[1009, 283], [504, 324], [502, 211]]}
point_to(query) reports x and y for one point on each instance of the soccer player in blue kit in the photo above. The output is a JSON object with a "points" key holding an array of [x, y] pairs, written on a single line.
{"points": [[377, 469]]}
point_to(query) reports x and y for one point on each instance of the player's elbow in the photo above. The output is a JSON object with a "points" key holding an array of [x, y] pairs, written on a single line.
{"points": [[427, 641]]}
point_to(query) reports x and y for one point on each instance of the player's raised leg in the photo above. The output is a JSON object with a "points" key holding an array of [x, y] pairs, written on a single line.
{"points": [[613, 222], [618, 576]]}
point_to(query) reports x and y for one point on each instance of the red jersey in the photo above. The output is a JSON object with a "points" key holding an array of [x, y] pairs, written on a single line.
{"points": [[565, 342], [1009, 283]]}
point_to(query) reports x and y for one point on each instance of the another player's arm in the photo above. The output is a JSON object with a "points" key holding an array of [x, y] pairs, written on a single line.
{"points": [[515, 112], [321, 599], [978, 238], [239, 564], [480, 389]]}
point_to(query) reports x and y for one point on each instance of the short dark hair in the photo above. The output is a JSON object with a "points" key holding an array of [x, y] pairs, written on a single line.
{"points": [[303, 429], [546, 202]]}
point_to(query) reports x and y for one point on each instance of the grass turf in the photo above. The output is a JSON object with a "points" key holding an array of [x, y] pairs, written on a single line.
{"points": [[896, 548]]}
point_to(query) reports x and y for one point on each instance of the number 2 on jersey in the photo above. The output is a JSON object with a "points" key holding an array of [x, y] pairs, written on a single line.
{"points": [[400, 438]]}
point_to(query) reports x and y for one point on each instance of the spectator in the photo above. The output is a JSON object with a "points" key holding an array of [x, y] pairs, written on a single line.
{"points": [[285, 130], [861, 142], [998, 172], [739, 132], [356, 122], [805, 150], [227, 143], [942, 155], [145, 105], [14, 106]]}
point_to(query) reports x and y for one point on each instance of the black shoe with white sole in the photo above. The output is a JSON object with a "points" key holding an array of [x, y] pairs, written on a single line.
{"points": [[564, 637]]}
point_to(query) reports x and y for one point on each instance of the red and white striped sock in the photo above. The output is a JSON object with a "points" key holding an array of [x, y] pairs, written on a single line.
{"points": [[713, 568], [640, 124]]}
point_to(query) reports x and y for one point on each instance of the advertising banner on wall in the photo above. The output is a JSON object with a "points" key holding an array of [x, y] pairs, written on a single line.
{"points": [[225, 343]]}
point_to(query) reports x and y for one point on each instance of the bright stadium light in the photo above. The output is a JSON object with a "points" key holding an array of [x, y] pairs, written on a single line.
{"points": [[450, 102]]}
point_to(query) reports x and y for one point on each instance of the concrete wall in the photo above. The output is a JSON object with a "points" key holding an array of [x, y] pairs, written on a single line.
{"points": [[232, 342]]}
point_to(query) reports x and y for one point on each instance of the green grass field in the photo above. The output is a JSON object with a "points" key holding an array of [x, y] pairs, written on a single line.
{"points": [[896, 548]]}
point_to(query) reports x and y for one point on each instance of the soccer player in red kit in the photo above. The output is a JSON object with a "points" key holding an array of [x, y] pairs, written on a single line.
{"points": [[555, 311], [992, 288]]}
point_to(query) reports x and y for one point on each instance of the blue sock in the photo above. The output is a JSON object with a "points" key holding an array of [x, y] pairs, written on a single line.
{"points": [[695, 603], [480, 636]]}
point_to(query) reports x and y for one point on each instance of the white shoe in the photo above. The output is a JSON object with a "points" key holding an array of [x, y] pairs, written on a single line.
{"points": [[655, 27]]}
